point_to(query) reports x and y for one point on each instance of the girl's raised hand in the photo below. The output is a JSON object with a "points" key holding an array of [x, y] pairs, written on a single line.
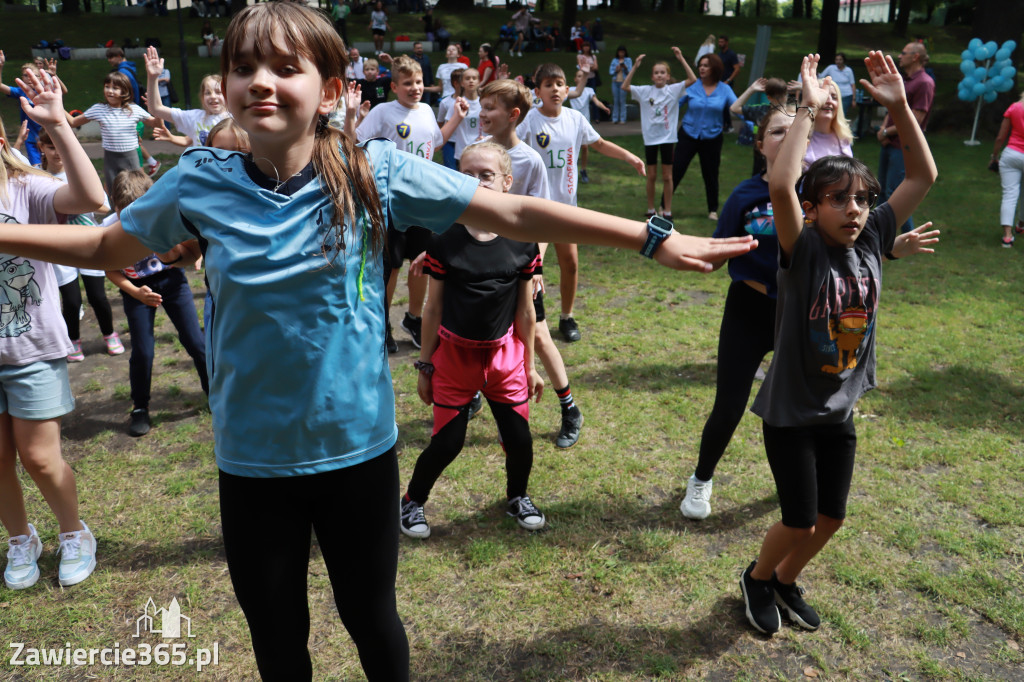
{"points": [[915, 241], [678, 53], [353, 97], [3, 59], [51, 66], [886, 85], [636, 62], [43, 102], [154, 62], [759, 84], [815, 93]]}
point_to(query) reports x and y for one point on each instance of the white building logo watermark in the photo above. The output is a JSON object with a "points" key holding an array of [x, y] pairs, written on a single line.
{"points": [[167, 623]]}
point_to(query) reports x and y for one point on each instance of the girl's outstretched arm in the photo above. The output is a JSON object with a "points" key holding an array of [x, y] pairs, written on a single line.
{"points": [[789, 215], [529, 219], [627, 82], [84, 191], [94, 247], [154, 67], [886, 87], [691, 77]]}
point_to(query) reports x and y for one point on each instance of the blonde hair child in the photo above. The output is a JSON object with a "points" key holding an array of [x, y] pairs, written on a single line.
{"points": [[832, 135], [34, 344], [300, 391], [193, 124]]}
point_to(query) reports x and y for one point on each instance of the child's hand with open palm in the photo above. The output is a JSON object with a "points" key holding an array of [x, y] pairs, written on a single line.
{"points": [[886, 85], [43, 102]]}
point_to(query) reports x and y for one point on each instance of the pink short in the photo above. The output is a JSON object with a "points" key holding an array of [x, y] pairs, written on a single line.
{"points": [[460, 371]]}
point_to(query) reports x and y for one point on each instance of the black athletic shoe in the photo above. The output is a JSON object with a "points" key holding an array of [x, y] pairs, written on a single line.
{"points": [[392, 344], [475, 405], [412, 326], [569, 329], [525, 513], [413, 522], [759, 598], [584, 178], [139, 425], [791, 603], [572, 422]]}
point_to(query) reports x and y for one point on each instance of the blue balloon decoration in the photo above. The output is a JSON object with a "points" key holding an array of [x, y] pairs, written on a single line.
{"points": [[995, 71], [967, 67], [967, 55], [991, 46], [991, 95], [1010, 45], [1008, 72], [981, 53], [1006, 86], [968, 82], [979, 73], [994, 83], [974, 44], [978, 89], [965, 95], [1002, 53]]}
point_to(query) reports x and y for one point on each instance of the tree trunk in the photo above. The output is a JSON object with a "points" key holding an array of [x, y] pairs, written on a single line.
{"points": [[903, 20], [808, 9], [828, 31], [892, 11], [568, 19], [458, 5], [42, 6], [798, 9], [1000, 21], [70, 7]]}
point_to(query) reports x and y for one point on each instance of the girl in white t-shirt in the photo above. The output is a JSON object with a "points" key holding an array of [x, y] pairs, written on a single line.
{"points": [[34, 389], [659, 120], [117, 117], [193, 124]]}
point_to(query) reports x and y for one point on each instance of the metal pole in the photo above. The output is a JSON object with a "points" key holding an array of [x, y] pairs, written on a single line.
{"points": [[977, 112], [184, 60]]}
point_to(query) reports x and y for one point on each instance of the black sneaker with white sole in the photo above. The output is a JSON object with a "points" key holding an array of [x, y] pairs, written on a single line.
{"points": [[525, 513], [759, 598], [791, 602], [391, 343], [413, 522], [412, 326], [569, 329], [475, 405], [572, 422]]}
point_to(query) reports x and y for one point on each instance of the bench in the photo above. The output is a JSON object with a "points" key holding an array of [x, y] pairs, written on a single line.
{"points": [[128, 11], [204, 52], [406, 46], [90, 53], [366, 48]]}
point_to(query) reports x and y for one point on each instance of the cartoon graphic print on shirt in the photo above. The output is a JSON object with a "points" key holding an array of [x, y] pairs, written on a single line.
{"points": [[18, 288], [759, 220], [842, 318]]}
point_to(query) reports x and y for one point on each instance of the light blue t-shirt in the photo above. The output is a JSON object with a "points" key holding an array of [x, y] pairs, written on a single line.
{"points": [[299, 379]]}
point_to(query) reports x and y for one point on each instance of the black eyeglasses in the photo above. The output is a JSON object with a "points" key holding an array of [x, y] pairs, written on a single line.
{"points": [[841, 200]]}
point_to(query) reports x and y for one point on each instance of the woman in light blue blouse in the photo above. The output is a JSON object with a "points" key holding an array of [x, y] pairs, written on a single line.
{"points": [[618, 69], [700, 133]]}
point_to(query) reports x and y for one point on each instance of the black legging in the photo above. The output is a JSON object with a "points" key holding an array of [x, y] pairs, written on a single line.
{"points": [[71, 303], [266, 525], [446, 445], [746, 336], [710, 152]]}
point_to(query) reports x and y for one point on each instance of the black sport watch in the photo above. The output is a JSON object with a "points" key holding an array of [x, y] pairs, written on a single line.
{"points": [[658, 230]]}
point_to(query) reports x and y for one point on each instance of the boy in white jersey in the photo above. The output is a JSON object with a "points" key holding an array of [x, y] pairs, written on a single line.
{"points": [[411, 126], [444, 112], [468, 131], [503, 105], [558, 133]]}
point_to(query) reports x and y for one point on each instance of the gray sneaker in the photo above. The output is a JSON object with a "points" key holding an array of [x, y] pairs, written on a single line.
{"points": [[697, 503]]}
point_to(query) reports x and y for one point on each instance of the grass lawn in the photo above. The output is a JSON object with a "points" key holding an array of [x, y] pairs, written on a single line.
{"points": [[925, 581]]}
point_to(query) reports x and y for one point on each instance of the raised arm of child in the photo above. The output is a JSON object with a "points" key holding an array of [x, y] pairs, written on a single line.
{"points": [[691, 77], [757, 86], [4, 88], [154, 67], [614, 151], [789, 215], [162, 133], [429, 339], [600, 105], [628, 80], [886, 87], [526, 328], [83, 191], [459, 110]]}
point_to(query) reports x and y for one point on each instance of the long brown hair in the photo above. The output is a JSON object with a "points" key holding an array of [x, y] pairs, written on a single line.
{"points": [[344, 169]]}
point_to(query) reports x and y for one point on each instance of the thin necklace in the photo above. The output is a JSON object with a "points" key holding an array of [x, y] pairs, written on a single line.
{"points": [[277, 176]]}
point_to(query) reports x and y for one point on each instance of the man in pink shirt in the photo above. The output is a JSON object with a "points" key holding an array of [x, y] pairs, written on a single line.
{"points": [[920, 93]]}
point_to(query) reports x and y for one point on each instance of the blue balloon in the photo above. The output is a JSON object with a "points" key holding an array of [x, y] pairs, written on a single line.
{"points": [[1010, 45], [979, 74], [991, 46], [967, 67], [1008, 72], [965, 95], [978, 89], [1005, 86], [994, 83], [968, 82], [974, 44], [967, 55], [1002, 53], [981, 53], [995, 71], [991, 95]]}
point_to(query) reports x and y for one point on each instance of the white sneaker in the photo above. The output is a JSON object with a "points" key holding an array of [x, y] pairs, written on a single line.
{"points": [[77, 556], [22, 570], [697, 503]]}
